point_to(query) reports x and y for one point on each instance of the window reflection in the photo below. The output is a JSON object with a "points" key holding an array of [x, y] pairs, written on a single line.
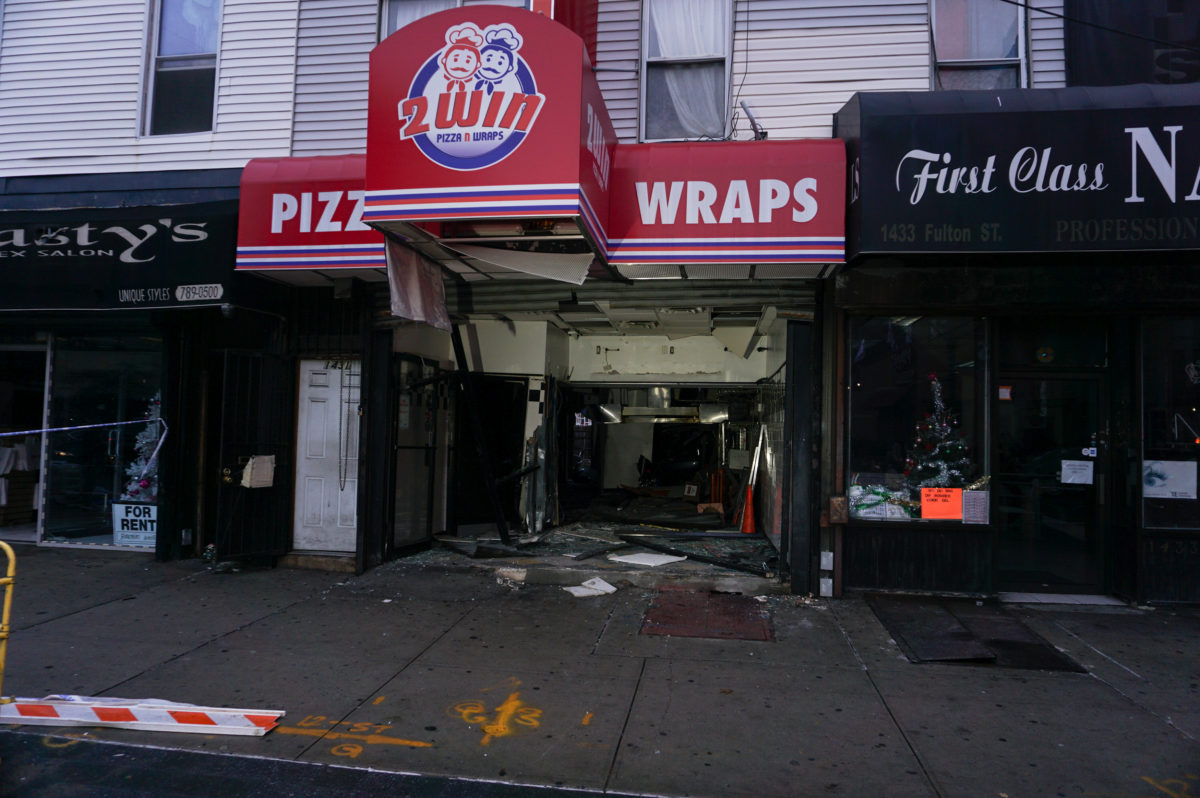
{"points": [[915, 412], [97, 382]]}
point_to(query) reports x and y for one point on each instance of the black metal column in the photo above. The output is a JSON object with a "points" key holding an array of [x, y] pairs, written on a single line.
{"points": [[801, 541]]}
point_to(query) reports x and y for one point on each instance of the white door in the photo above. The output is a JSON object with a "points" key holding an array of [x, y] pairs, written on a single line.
{"points": [[327, 456]]}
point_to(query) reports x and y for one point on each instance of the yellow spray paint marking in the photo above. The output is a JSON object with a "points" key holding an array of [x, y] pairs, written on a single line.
{"points": [[351, 750], [1174, 788], [66, 741], [587, 720], [370, 733], [511, 683], [513, 710], [379, 700], [370, 739]]}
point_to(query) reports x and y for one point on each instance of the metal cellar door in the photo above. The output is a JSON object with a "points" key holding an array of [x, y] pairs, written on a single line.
{"points": [[255, 422]]}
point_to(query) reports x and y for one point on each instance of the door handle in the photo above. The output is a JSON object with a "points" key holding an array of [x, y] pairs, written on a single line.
{"points": [[227, 476]]}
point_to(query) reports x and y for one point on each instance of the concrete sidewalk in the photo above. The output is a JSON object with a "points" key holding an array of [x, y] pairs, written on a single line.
{"points": [[452, 671]]}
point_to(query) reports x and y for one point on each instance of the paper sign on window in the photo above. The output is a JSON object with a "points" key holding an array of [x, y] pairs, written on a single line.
{"points": [[975, 506], [941, 503], [1077, 472]]}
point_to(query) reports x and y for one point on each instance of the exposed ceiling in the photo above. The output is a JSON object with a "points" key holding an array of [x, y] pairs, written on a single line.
{"points": [[560, 285]]}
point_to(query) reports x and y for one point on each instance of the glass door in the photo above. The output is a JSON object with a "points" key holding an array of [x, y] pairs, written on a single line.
{"points": [[22, 403], [1050, 473], [101, 457], [417, 414]]}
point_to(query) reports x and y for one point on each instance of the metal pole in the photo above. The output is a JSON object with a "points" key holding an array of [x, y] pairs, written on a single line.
{"points": [[7, 583]]}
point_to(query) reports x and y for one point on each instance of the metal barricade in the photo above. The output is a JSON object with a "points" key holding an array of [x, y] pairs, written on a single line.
{"points": [[6, 583]]}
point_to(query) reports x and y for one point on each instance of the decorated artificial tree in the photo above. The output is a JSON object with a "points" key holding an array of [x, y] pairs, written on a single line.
{"points": [[939, 458], [141, 484]]}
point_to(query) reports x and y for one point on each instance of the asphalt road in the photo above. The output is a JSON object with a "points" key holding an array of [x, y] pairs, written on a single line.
{"points": [[34, 765]]}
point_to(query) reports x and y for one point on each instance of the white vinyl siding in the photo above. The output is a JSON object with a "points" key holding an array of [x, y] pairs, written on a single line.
{"points": [[618, 49], [796, 62], [1047, 55], [332, 66], [73, 76]]}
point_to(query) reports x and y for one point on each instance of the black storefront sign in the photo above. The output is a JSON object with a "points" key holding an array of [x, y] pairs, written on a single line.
{"points": [[1115, 42], [1051, 170], [108, 258]]}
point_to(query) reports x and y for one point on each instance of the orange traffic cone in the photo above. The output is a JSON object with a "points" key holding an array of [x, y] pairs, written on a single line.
{"points": [[748, 527]]}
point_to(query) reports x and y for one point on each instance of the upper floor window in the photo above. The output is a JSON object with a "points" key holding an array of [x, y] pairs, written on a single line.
{"points": [[398, 13], [685, 69], [183, 75], [977, 44]]}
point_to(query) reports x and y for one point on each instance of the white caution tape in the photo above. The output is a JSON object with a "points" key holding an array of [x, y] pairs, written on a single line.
{"points": [[144, 715]]}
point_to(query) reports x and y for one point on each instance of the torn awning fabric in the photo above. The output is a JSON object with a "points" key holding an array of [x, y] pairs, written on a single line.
{"points": [[415, 285]]}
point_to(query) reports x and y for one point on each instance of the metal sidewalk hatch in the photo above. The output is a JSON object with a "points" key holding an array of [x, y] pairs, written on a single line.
{"points": [[143, 715]]}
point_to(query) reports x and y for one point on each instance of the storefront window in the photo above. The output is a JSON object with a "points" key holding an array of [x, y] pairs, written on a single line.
{"points": [[1171, 437], [916, 420], [101, 480]]}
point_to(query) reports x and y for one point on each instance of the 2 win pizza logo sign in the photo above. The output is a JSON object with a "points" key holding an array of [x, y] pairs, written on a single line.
{"points": [[473, 101]]}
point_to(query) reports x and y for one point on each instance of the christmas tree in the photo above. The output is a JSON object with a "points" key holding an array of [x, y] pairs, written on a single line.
{"points": [[938, 458], [142, 474]]}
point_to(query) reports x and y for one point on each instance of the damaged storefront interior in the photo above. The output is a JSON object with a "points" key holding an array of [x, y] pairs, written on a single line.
{"points": [[632, 426]]}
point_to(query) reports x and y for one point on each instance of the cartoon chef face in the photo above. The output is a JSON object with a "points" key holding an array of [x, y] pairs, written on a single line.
{"points": [[460, 61], [496, 62], [498, 57]]}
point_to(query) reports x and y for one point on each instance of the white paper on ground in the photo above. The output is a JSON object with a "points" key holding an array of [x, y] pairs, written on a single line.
{"points": [[592, 587], [646, 558]]}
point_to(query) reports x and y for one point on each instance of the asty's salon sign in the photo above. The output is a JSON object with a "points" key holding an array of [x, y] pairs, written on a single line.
{"points": [[124, 243], [140, 257]]}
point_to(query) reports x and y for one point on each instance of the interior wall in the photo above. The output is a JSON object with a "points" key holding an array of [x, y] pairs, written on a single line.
{"points": [[699, 358], [423, 341], [631, 441], [775, 342], [506, 347], [558, 353]]}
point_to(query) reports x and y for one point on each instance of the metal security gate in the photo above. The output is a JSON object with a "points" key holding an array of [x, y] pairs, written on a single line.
{"points": [[252, 517]]}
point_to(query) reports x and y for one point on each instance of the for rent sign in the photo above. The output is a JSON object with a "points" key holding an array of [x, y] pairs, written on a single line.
{"points": [[135, 524]]}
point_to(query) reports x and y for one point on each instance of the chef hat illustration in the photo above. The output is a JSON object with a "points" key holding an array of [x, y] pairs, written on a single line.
{"points": [[466, 34], [503, 37]]}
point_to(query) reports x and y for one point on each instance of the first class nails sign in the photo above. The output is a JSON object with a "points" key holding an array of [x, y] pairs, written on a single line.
{"points": [[474, 100]]}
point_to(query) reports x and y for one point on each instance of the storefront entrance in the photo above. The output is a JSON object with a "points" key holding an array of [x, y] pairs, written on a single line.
{"points": [[326, 494], [1049, 437]]}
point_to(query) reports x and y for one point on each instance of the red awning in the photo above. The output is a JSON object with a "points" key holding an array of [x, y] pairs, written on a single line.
{"points": [[306, 213]]}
